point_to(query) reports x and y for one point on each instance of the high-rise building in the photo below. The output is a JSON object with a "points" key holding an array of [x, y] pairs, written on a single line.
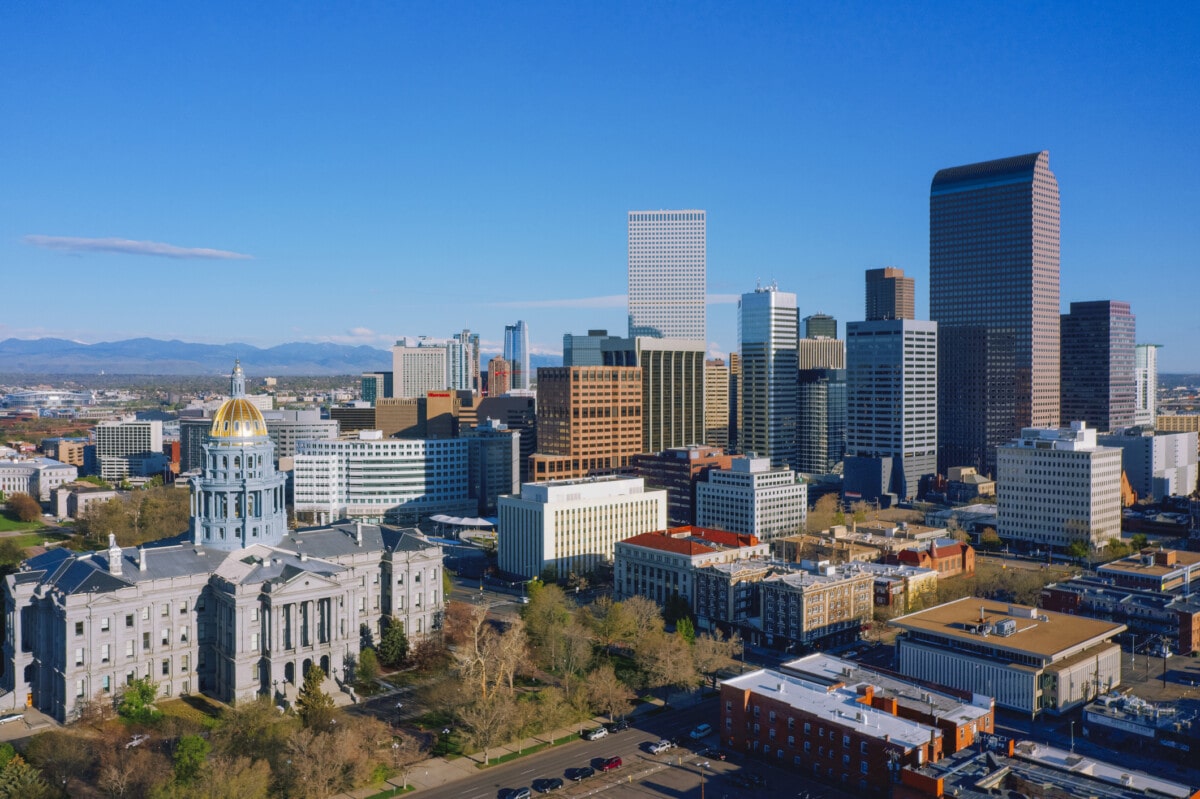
{"points": [[1158, 466], [129, 448], [499, 376], [821, 426], [494, 464], [891, 407], [667, 274], [1055, 487], [820, 325], [753, 498], [376, 386], [890, 295], [516, 352], [716, 403], [288, 427], [735, 402], [589, 421], [1098, 340], [419, 365], [1145, 383], [767, 320], [518, 413], [993, 290], [821, 353], [677, 471], [470, 346]]}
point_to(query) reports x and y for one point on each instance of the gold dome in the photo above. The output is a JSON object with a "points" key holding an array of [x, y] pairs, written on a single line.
{"points": [[238, 418]]}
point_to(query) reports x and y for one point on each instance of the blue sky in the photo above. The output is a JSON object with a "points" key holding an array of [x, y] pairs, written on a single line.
{"points": [[413, 169]]}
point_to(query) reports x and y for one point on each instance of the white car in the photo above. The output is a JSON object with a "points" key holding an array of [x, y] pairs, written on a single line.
{"points": [[137, 740], [701, 731], [659, 747], [596, 734], [11, 717]]}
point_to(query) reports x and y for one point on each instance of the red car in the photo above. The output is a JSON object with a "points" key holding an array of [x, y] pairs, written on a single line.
{"points": [[611, 764]]}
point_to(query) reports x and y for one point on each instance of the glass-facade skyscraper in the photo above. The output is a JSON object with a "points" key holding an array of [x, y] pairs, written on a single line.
{"points": [[1098, 340], [516, 352], [667, 274], [994, 292], [767, 327]]}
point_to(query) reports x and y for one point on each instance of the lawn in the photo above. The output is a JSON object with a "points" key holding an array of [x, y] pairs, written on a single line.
{"points": [[389, 792], [36, 538], [8, 524]]}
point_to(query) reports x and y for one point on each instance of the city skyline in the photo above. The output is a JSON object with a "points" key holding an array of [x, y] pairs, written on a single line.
{"points": [[152, 160]]}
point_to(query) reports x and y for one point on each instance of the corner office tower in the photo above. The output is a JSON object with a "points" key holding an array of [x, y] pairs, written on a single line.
{"points": [[667, 268], [993, 290]]}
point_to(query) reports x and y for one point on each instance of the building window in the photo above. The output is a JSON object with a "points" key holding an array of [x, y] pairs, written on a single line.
{"points": [[166, 611], [771, 716], [253, 642], [863, 767], [807, 728], [106, 684], [166, 666], [183, 608], [253, 614], [104, 624], [79, 628], [79, 688], [129, 648], [145, 614], [146, 642], [183, 663], [79, 656], [128, 620], [166, 637], [183, 634]]}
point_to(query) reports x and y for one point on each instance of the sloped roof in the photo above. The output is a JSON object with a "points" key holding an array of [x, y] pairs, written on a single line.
{"points": [[666, 543]]}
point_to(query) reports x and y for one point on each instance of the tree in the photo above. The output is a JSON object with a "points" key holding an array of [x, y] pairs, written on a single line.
{"points": [[137, 701], [1078, 549], [488, 721], [989, 539], [647, 618], [609, 622], [1138, 542], [367, 670], [254, 730], [232, 778], [824, 513], [24, 507], [608, 694], [686, 630], [715, 652], [190, 755], [312, 703], [546, 617], [393, 645], [676, 608], [61, 755], [20, 780], [11, 553], [666, 660]]}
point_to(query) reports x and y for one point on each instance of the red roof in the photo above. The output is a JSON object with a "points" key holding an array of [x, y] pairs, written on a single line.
{"points": [[667, 543], [722, 537]]}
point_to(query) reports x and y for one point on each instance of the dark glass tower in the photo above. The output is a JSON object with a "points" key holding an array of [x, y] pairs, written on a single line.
{"points": [[1098, 340], [820, 325], [890, 295], [993, 290]]}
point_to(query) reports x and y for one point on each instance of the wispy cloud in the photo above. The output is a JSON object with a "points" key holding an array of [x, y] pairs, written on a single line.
{"points": [[131, 247], [611, 301], [355, 336]]}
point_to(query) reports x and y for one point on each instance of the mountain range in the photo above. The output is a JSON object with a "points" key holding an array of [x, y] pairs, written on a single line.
{"points": [[148, 356]]}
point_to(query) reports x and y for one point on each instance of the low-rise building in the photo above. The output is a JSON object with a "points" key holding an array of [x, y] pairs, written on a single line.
{"points": [[37, 477], [818, 603], [72, 499], [660, 565], [1122, 720], [1029, 660], [900, 587], [1172, 570], [949, 558], [753, 498], [676, 471], [1150, 616], [728, 597]]}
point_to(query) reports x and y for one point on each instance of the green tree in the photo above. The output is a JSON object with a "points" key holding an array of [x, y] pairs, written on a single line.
{"points": [[23, 507], [989, 539], [1138, 542], [608, 621], [393, 645], [1078, 549], [20, 780], [675, 609], [312, 703], [11, 553], [190, 755], [368, 667], [686, 630], [137, 701]]}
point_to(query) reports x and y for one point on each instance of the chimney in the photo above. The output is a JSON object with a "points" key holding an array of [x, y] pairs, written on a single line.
{"points": [[303, 557], [358, 533], [142, 559], [114, 556]]}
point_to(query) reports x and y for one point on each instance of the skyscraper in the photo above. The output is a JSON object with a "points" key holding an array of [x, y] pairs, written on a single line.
{"points": [[821, 425], [891, 407], [993, 290], [767, 320], [1145, 380], [516, 352], [499, 374], [589, 421], [1098, 340], [667, 274], [716, 403], [419, 365], [890, 295], [820, 325]]}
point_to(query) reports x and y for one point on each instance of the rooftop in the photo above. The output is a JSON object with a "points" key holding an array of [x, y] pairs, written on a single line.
{"points": [[1153, 563], [691, 540]]}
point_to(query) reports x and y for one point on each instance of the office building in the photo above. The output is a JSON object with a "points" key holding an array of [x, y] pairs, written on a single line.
{"points": [[376, 479], [891, 407], [589, 421], [754, 498], [667, 274], [1098, 364], [819, 603], [716, 403], [821, 426], [129, 448], [820, 325], [661, 565], [471, 379], [890, 295], [419, 365], [1145, 384], [1057, 487], [37, 477], [767, 321], [193, 432], [286, 428], [519, 414], [1157, 466], [1029, 660], [499, 377], [820, 353], [493, 464], [994, 292], [375, 386], [735, 402], [355, 416], [1167, 570], [677, 471], [516, 352], [572, 526], [65, 450], [1157, 618]]}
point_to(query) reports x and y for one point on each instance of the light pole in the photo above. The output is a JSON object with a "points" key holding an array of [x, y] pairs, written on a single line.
{"points": [[1072, 737]]}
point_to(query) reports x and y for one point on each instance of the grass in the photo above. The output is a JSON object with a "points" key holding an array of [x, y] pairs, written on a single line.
{"points": [[529, 750], [193, 708], [9, 524], [35, 539], [389, 792]]}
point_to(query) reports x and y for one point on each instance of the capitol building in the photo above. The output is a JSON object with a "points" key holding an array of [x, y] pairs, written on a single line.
{"points": [[237, 607]]}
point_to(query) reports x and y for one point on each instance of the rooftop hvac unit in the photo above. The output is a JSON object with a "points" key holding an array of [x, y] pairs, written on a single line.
{"points": [[1006, 627]]}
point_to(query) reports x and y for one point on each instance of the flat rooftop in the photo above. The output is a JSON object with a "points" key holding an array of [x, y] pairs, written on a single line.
{"points": [[1037, 632], [839, 704], [1138, 565]]}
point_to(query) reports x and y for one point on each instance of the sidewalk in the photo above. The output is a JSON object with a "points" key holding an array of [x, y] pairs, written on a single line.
{"points": [[439, 771]]}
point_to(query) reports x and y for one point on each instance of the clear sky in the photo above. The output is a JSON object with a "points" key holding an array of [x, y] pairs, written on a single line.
{"points": [[416, 168]]}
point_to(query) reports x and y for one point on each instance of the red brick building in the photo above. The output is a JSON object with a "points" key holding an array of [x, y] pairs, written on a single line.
{"points": [[949, 558]]}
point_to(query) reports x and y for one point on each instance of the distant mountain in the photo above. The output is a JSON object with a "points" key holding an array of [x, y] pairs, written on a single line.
{"points": [[148, 356]]}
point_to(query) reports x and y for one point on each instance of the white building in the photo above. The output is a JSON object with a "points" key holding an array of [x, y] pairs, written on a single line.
{"points": [[375, 478], [37, 477], [753, 498], [286, 428], [769, 397], [574, 525], [419, 365], [668, 274], [663, 563], [1058, 486], [891, 407], [1157, 466], [1145, 378], [129, 448]]}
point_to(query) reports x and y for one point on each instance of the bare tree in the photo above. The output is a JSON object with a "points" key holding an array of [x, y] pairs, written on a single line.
{"points": [[610, 622], [667, 662], [607, 693], [712, 653], [512, 653], [646, 619], [488, 722]]}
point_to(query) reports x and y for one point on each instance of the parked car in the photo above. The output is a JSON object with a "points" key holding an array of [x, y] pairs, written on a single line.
{"points": [[580, 774], [5, 719], [658, 747], [714, 754], [137, 740], [548, 785], [596, 734], [617, 726], [701, 731], [612, 764], [514, 793]]}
